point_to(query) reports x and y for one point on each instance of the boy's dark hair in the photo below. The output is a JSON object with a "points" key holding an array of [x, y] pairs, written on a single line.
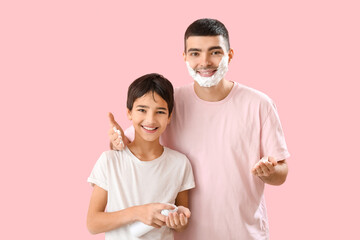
{"points": [[207, 27], [152, 82]]}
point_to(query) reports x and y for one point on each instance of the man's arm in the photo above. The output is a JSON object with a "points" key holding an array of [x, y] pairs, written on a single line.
{"points": [[117, 142], [272, 172]]}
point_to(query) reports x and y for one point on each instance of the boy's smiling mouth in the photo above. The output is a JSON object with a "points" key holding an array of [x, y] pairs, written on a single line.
{"points": [[149, 129]]}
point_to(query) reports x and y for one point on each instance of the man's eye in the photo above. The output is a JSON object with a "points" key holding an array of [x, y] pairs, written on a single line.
{"points": [[161, 112], [216, 52], [141, 110], [194, 54]]}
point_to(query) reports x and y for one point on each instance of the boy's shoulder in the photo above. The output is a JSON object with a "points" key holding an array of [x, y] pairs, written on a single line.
{"points": [[176, 156], [112, 156]]}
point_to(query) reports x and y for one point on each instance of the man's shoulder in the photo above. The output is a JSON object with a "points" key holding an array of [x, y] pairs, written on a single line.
{"points": [[252, 94], [186, 89]]}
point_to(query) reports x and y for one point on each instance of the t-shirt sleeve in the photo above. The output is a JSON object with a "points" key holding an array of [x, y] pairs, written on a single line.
{"points": [[99, 174], [188, 177], [272, 136]]}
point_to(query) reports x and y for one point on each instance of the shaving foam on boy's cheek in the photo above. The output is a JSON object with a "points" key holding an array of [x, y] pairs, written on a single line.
{"points": [[213, 80]]}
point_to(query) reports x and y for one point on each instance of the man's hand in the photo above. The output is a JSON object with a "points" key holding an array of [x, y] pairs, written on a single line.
{"points": [[150, 214], [265, 167], [271, 171], [178, 220], [118, 140]]}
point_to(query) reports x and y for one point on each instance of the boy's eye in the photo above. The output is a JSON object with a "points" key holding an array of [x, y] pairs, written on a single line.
{"points": [[141, 110], [161, 112]]}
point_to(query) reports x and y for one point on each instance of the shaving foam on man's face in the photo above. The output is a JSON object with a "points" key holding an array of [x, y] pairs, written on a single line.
{"points": [[215, 78]]}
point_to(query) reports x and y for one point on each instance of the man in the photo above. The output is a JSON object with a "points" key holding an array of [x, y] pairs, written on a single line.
{"points": [[232, 136]]}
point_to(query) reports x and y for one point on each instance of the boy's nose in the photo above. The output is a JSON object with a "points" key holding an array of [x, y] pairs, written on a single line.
{"points": [[150, 118]]}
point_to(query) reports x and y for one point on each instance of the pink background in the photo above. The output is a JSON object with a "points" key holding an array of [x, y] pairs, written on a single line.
{"points": [[65, 64]]}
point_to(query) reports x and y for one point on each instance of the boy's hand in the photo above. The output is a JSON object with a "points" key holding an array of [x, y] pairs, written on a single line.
{"points": [[178, 220], [117, 142], [264, 168], [150, 214]]}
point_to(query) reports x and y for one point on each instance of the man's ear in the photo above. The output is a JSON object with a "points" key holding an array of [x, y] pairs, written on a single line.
{"points": [[231, 54], [128, 114], [184, 56]]}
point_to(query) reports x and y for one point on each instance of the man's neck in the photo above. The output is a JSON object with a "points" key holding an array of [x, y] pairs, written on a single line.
{"points": [[144, 150], [215, 93]]}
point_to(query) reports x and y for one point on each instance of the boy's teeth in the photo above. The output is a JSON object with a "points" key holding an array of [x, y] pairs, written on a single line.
{"points": [[150, 129]]}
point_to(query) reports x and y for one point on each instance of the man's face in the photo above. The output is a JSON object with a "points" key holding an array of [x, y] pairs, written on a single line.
{"points": [[204, 53]]}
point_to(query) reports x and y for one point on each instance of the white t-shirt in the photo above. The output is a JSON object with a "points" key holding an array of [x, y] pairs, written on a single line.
{"points": [[223, 141], [130, 181]]}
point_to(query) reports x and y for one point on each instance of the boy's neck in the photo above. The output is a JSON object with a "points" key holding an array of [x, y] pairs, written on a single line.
{"points": [[145, 150]]}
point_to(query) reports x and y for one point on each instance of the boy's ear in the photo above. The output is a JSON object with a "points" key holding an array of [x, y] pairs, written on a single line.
{"points": [[128, 114], [169, 119]]}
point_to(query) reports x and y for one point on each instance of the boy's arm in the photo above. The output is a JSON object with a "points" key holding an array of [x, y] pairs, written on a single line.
{"points": [[179, 220], [99, 221]]}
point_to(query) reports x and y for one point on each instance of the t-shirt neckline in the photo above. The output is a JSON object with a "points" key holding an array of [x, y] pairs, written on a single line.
{"points": [[148, 163], [229, 96]]}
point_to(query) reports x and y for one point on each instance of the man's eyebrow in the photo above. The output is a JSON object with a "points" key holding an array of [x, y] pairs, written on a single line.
{"points": [[215, 47], [162, 108], [199, 50]]}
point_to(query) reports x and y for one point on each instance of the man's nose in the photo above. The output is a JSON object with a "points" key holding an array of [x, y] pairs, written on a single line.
{"points": [[205, 60]]}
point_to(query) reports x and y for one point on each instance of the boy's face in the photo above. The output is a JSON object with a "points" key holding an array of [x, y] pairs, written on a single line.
{"points": [[204, 53], [150, 116]]}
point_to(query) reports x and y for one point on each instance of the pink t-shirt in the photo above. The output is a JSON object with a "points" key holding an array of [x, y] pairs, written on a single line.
{"points": [[223, 141]]}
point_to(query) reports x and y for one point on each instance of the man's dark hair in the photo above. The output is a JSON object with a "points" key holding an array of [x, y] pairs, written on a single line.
{"points": [[207, 27], [152, 82]]}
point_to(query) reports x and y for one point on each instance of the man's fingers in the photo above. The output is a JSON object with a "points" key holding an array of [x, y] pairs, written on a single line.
{"points": [[273, 161], [111, 118], [113, 123]]}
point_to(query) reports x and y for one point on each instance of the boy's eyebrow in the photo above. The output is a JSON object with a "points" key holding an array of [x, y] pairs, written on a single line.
{"points": [[144, 106]]}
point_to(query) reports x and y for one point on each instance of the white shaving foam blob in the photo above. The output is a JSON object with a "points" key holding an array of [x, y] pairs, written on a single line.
{"points": [[214, 79]]}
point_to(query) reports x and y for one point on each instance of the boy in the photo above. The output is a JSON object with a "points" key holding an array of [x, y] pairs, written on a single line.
{"points": [[134, 184]]}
